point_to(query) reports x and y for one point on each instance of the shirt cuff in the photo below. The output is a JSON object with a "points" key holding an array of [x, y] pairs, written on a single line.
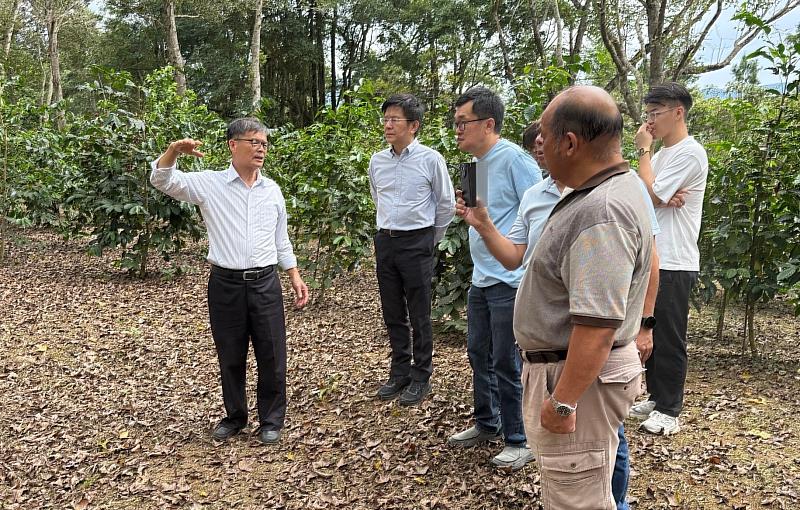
{"points": [[155, 161], [287, 263]]}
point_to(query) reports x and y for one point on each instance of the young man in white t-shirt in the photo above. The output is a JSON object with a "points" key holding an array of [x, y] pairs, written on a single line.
{"points": [[678, 171]]}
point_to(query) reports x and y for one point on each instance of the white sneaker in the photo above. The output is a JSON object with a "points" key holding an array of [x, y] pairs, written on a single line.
{"points": [[514, 457], [660, 423], [642, 410]]}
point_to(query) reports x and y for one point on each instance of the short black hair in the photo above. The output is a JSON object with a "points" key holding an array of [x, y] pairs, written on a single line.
{"points": [[243, 126], [588, 123], [413, 109], [668, 94], [485, 104], [529, 135]]}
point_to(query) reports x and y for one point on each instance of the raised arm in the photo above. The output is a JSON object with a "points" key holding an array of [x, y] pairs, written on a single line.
{"points": [[180, 186]]}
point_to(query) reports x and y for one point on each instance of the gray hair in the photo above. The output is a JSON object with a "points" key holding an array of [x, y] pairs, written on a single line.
{"points": [[243, 126]]}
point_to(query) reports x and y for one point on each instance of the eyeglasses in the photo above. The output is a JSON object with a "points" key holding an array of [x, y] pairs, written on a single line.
{"points": [[254, 142], [651, 116], [461, 125], [391, 120]]}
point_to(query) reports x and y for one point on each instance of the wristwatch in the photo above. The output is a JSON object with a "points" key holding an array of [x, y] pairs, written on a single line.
{"points": [[561, 408], [641, 151], [648, 322]]}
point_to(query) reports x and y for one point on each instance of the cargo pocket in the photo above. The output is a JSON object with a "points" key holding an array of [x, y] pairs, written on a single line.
{"points": [[575, 480]]}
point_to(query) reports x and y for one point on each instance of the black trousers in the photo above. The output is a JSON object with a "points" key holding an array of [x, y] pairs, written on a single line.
{"points": [[241, 312], [667, 366], [404, 270]]}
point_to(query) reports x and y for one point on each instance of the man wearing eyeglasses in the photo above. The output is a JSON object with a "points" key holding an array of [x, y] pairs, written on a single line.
{"points": [[245, 214], [496, 384], [680, 167], [414, 204]]}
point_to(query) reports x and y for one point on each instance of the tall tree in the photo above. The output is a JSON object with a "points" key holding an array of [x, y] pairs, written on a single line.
{"points": [[52, 13], [334, 24], [255, 56], [651, 41], [9, 35], [174, 56]]}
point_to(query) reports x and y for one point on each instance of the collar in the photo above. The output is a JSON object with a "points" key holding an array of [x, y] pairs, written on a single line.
{"points": [[551, 187], [593, 182], [231, 175], [493, 148], [604, 175], [411, 147]]}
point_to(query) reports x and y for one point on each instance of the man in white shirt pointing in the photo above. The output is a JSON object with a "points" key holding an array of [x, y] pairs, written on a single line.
{"points": [[245, 214]]}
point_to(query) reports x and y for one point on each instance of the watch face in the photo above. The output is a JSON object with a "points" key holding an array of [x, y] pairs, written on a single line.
{"points": [[649, 322], [564, 410]]}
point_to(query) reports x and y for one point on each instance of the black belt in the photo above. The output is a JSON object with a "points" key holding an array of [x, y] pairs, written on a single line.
{"points": [[543, 356], [402, 233], [247, 275], [548, 356]]}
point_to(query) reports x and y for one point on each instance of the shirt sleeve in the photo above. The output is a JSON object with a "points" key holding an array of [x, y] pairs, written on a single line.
{"points": [[371, 174], [286, 258], [519, 230], [598, 270], [187, 187], [683, 169], [442, 189], [524, 174]]}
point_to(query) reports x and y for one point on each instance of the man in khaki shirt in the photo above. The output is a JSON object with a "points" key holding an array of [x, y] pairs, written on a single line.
{"points": [[579, 306]]}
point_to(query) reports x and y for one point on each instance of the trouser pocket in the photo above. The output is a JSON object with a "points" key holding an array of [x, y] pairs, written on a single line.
{"points": [[576, 480]]}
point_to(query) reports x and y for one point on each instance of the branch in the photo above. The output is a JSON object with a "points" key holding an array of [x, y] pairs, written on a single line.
{"points": [[741, 42], [692, 50]]}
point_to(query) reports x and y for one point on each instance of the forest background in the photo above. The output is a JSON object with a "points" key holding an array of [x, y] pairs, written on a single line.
{"points": [[91, 91]]}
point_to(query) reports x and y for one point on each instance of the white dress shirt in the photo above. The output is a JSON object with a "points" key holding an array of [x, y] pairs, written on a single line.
{"points": [[411, 190], [246, 225]]}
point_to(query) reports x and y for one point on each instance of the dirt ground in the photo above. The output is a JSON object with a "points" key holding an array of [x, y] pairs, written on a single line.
{"points": [[109, 387]]}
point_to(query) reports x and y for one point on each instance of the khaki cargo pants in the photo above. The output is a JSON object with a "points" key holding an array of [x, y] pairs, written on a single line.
{"points": [[576, 468]]}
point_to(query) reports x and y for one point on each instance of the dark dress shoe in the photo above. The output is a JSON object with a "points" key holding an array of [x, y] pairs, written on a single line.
{"points": [[225, 431], [393, 387], [415, 393], [269, 436]]}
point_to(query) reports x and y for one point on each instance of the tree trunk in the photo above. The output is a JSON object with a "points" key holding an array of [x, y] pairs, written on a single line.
{"points": [[173, 47], [334, 21], [312, 71], [750, 337], [255, 58], [559, 47], [9, 36], [53, 26], [434, 70], [721, 315], [318, 21], [507, 70], [47, 85]]}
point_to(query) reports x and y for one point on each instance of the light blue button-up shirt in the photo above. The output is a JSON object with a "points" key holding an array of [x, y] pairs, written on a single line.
{"points": [[535, 208], [247, 227], [411, 190], [511, 172]]}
